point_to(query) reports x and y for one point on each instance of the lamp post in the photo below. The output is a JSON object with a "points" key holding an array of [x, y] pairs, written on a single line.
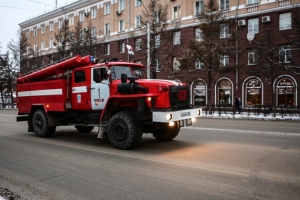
{"points": [[148, 42]]}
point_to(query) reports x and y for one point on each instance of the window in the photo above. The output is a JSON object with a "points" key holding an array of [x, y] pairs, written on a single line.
{"points": [[198, 64], [157, 41], [27, 33], [94, 13], [82, 35], [198, 35], [176, 64], [122, 5], [252, 57], [107, 49], [107, 9], [224, 4], [122, 47], [71, 20], [60, 24], [121, 26], [286, 92], [138, 3], [156, 63], [51, 43], [79, 76], [43, 29], [51, 26], [253, 95], [224, 61], [285, 53], [198, 7], [35, 47], [81, 16], [225, 91], [138, 21], [34, 32], [138, 44], [107, 29], [252, 1], [176, 38], [156, 17], [253, 25], [285, 21], [224, 30], [94, 32], [176, 12], [43, 45], [200, 93]]}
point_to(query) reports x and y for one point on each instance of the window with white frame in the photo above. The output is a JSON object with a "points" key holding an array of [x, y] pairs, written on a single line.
{"points": [[285, 53], [224, 61], [51, 26], [138, 3], [176, 38], [94, 13], [252, 57], [107, 29], [27, 33], [71, 20], [176, 63], [198, 64], [156, 63], [81, 16], [224, 4], [176, 12], [34, 32], [198, 35], [51, 43], [138, 20], [82, 35], [106, 49], [156, 17], [224, 30], [253, 25], [198, 7], [252, 1], [121, 4], [122, 47], [285, 21], [138, 44], [94, 32], [60, 23], [43, 29], [157, 41], [35, 47], [121, 25], [43, 45], [106, 9]]}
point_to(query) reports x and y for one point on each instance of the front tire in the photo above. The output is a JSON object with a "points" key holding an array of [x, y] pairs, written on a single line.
{"points": [[124, 131], [165, 132], [40, 124]]}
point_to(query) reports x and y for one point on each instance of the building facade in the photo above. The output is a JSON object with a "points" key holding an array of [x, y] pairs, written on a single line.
{"points": [[115, 23]]}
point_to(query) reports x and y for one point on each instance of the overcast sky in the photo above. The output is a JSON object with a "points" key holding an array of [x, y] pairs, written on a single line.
{"points": [[14, 12]]}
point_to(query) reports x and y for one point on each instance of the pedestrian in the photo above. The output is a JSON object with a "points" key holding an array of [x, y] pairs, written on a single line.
{"points": [[236, 104], [239, 105]]}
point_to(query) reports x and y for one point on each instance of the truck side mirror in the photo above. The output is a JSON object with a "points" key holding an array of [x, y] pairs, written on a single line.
{"points": [[123, 78]]}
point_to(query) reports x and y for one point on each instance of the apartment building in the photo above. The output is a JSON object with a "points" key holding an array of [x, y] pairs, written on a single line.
{"points": [[115, 23]]}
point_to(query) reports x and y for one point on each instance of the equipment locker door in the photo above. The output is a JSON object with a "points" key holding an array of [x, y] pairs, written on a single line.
{"points": [[80, 91], [99, 88]]}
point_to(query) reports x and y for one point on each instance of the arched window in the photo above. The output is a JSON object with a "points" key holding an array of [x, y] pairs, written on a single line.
{"points": [[200, 93], [225, 92], [285, 92], [253, 93]]}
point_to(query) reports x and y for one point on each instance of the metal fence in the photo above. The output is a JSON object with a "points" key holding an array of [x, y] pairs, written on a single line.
{"points": [[262, 110]]}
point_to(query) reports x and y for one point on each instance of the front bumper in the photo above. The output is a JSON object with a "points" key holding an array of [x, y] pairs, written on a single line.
{"points": [[173, 116]]}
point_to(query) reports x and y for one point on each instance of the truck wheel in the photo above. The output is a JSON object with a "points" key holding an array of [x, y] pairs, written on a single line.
{"points": [[166, 132], [124, 131], [40, 124], [84, 129]]}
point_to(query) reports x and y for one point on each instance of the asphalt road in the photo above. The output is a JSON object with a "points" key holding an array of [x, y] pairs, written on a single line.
{"points": [[213, 159]]}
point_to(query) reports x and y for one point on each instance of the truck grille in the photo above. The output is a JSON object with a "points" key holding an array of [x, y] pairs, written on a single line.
{"points": [[180, 96]]}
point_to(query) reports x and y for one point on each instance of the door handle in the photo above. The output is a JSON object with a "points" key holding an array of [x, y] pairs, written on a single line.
{"points": [[92, 88]]}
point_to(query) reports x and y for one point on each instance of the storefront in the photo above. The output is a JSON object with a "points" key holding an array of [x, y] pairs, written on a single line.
{"points": [[253, 93], [285, 90], [224, 92]]}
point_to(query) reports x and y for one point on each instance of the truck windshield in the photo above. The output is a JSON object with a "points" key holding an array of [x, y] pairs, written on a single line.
{"points": [[116, 72]]}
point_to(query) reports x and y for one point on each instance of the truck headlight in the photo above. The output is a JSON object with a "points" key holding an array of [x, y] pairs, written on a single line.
{"points": [[169, 116], [171, 123]]}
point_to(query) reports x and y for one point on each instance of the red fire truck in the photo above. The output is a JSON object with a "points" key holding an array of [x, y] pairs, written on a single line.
{"points": [[114, 96]]}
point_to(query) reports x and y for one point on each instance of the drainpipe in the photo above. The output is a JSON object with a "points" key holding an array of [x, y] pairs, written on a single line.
{"points": [[236, 48]]}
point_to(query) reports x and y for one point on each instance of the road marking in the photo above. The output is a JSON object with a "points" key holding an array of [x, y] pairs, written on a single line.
{"points": [[243, 131]]}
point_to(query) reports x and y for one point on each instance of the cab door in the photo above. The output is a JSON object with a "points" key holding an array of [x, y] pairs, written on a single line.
{"points": [[99, 88], [80, 90]]}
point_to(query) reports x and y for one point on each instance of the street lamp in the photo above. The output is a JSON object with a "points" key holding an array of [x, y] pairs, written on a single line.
{"points": [[148, 42]]}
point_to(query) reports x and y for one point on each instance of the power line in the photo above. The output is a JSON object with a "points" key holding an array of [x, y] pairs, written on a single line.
{"points": [[41, 3], [19, 8]]}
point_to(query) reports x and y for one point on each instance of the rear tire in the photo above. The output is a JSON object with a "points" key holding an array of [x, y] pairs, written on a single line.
{"points": [[40, 124], [84, 129], [124, 131], [166, 132]]}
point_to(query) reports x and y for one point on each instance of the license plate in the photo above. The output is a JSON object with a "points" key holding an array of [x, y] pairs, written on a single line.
{"points": [[185, 114]]}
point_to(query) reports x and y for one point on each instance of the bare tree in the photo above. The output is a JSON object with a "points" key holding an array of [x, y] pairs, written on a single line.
{"points": [[62, 38], [90, 45], [77, 38]]}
